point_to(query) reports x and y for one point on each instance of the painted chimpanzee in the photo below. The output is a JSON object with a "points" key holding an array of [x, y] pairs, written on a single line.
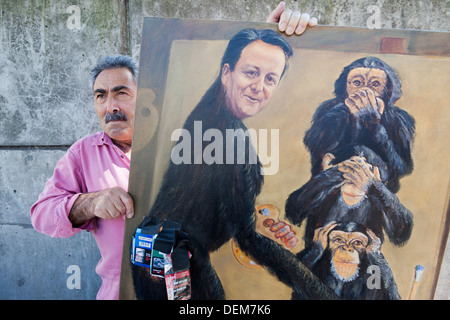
{"points": [[351, 188], [216, 202], [347, 257], [363, 113]]}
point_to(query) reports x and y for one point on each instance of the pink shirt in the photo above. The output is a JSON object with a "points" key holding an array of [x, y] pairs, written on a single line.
{"points": [[92, 164]]}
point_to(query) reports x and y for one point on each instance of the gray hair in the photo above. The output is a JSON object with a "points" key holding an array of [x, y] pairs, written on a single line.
{"points": [[114, 62]]}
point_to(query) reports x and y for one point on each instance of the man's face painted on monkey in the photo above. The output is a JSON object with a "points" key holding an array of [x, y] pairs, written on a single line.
{"points": [[256, 75], [346, 248]]}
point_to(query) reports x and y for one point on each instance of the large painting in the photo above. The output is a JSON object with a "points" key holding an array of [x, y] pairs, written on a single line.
{"points": [[275, 167]]}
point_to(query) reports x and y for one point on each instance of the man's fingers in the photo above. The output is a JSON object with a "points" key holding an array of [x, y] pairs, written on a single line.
{"points": [[113, 203], [293, 22], [290, 21], [303, 23], [312, 22], [115, 206], [285, 20], [274, 16], [107, 209], [129, 205], [123, 202]]}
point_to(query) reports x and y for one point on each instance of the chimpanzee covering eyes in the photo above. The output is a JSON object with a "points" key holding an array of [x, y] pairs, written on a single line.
{"points": [[351, 189]]}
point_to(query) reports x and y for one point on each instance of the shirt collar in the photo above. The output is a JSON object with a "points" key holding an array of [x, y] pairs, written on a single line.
{"points": [[101, 139]]}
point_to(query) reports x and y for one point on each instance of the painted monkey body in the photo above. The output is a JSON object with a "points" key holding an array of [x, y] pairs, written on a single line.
{"points": [[386, 129], [357, 289], [390, 138], [198, 197], [320, 201], [346, 257], [361, 121], [215, 203]]}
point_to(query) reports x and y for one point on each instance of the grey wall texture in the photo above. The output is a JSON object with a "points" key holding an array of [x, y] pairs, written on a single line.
{"points": [[47, 48]]}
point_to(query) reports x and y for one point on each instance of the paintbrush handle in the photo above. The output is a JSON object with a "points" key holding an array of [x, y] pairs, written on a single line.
{"points": [[413, 290]]}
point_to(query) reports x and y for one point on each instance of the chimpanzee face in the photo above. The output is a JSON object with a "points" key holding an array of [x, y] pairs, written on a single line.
{"points": [[346, 248], [362, 79]]}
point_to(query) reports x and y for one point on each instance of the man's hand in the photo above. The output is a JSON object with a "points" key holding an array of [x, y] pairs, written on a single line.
{"points": [[106, 204], [290, 21]]}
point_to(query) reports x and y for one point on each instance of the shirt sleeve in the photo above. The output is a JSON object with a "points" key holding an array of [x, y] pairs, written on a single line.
{"points": [[50, 214]]}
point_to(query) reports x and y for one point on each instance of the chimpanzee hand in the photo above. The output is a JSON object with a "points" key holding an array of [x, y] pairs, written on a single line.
{"points": [[375, 243], [326, 161], [360, 173], [364, 105], [321, 234]]}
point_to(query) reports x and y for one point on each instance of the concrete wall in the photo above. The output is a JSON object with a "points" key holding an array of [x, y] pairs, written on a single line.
{"points": [[47, 48]]}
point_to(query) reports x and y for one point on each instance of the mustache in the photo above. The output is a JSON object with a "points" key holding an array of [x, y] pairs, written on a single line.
{"points": [[116, 116]]}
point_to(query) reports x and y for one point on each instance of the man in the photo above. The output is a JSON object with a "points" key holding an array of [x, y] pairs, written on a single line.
{"points": [[88, 188]]}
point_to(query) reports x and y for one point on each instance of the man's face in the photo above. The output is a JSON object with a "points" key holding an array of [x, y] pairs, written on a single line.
{"points": [[256, 75], [114, 101]]}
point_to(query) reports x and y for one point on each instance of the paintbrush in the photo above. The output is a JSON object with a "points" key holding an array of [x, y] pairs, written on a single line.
{"points": [[419, 271]]}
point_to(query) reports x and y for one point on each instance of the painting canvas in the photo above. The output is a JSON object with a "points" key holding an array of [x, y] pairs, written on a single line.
{"points": [[331, 182]]}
